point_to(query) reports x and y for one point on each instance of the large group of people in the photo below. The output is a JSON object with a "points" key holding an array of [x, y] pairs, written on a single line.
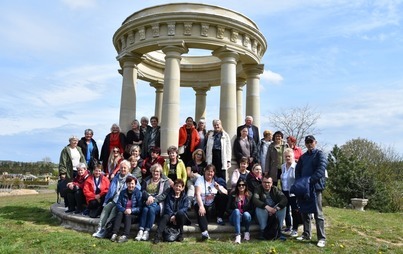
{"points": [[130, 182]]}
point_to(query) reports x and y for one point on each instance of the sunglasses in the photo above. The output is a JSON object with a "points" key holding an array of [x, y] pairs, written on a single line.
{"points": [[241, 185], [115, 151]]}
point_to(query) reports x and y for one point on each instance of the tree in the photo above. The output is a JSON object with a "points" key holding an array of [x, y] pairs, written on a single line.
{"points": [[298, 122]]}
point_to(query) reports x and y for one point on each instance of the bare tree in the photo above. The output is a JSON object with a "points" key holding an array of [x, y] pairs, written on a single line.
{"points": [[298, 122]]}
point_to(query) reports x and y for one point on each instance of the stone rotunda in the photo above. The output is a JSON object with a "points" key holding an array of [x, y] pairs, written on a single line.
{"points": [[152, 45]]}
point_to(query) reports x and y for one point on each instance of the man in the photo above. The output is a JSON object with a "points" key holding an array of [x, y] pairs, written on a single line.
{"points": [[269, 201], [253, 131], [152, 138], [313, 164]]}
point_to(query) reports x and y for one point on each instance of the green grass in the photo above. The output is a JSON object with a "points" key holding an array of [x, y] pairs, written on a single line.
{"points": [[27, 226]]}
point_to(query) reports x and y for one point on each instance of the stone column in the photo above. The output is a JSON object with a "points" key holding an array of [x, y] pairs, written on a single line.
{"points": [[253, 72], [171, 95], [128, 97], [240, 82], [159, 89], [200, 107], [228, 106]]}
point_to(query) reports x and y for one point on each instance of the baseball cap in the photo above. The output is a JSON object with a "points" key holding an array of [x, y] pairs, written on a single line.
{"points": [[310, 137]]}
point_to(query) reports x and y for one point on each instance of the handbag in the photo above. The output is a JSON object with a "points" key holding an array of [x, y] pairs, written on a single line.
{"points": [[181, 149], [170, 234]]}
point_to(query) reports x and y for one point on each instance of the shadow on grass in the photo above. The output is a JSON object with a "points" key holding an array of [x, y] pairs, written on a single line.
{"points": [[36, 215]]}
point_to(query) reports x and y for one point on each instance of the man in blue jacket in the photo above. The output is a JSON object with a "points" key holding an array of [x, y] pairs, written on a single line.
{"points": [[313, 164]]}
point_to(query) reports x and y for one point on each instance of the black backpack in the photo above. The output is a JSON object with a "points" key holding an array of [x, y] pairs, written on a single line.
{"points": [[271, 231], [61, 189]]}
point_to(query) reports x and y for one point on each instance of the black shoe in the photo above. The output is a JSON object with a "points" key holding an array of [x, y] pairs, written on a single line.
{"points": [[86, 212], [180, 238], [77, 211], [157, 239], [69, 211]]}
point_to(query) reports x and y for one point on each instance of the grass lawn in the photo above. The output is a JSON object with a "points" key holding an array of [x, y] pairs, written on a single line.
{"points": [[27, 226]]}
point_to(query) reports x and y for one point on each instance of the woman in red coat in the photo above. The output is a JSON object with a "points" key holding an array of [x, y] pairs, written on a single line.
{"points": [[188, 139], [95, 188]]}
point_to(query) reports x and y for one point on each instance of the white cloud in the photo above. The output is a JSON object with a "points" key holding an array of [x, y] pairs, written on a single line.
{"points": [[271, 77]]}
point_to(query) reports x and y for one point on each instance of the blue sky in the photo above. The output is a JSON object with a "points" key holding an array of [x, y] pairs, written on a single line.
{"points": [[59, 73]]}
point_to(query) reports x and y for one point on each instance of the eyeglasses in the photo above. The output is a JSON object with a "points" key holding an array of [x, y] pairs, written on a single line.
{"points": [[267, 182], [241, 185], [309, 141], [199, 154], [115, 151]]}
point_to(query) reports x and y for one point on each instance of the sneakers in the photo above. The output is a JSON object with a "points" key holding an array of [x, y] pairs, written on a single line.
{"points": [[114, 237], [303, 238], [220, 221], [321, 243], [294, 233], [139, 235], [286, 231], [100, 233], [122, 239], [205, 236], [246, 237], [145, 236], [238, 239]]}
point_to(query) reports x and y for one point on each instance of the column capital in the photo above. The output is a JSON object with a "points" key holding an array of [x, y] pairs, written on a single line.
{"points": [[174, 47], [226, 53], [201, 90], [158, 86], [253, 69], [129, 59], [240, 82]]}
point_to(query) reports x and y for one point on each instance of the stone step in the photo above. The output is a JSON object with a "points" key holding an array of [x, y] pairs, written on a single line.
{"points": [[83, 223]]}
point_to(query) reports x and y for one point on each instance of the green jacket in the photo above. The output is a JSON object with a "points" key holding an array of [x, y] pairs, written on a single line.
{"points": [[259, 197], [66, 164]]}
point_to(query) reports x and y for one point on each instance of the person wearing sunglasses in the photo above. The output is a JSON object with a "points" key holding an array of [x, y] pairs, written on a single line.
{"points": [[240, 208]]}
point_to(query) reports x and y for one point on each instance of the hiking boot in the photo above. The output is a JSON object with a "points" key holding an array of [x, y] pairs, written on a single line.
{"points": [[139, 235], [321, 243], [114, 237], [246, 237], [238, 239], [146, 236], [122, 239]]}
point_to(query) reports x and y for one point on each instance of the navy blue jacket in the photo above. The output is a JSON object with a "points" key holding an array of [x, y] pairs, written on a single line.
{"points": [[183, 204], [312, 164], [136, 201]]}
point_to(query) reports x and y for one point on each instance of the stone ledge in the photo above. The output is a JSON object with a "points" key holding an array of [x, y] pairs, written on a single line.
{"points": [[83, 223]]}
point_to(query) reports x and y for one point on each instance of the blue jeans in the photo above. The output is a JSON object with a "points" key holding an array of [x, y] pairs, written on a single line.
{"points": [[236, 219], [148, 216], [262, 215]]}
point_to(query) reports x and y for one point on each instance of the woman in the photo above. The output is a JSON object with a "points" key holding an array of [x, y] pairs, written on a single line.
{"points": [[154, 158], [133, 137], [240, 209], [135, 170], [287, 180], [245, 146], [153, 190], [264, 146], [274, 157], [95, 188], [201, 130], [175, 212], [188, 139], [292, 143], [218, 149], [89, 148], [174, 168], [70, 157], [240, 173], [152, 138], [75, 194], [116, 186], [113, 162], [254, 178], [194, 169], [135, 151], [112, 140], [128, 208], [209, 195]]}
